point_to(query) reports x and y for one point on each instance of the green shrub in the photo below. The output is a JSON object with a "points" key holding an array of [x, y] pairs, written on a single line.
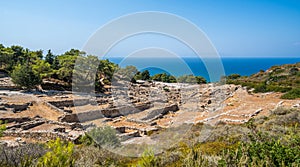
{"points": [[281, 111], [86, 140], [260, 88], [93, 156], [60, 154], [147, 159], [23, 155], [104, 136], [213, 148], [2, 128], [292, 94], [191, 79], [272, 153], [196, 158], [274, 88], [233, 76], [294, 71]]}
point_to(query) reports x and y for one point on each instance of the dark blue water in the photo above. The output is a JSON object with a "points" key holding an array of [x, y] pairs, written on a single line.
{"points": [[242, 66]]}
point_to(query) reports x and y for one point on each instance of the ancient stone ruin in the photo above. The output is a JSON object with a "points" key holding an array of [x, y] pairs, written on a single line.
{"points": [[134, 110]]}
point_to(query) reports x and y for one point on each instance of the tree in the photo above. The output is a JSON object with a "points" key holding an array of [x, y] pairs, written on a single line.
{"points": [[55, 64], [49, 57], [75, 52], [66, 66], [42, 68], [84, 73], [127, 73], [171, 79], [145, 75], [164, 77], [21, 55], [107, 69], [6, 59], [200, 80], [39, 54], [18, 53], [24, 76]]}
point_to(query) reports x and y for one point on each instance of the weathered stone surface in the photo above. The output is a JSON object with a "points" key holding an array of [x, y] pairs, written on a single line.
{"points": [[6, 82], [54, 107], [126, 136], [32, 124], [71, 103], [109, 113], [17, 107], [67, 109], [68, 118], [121, 129], [60, 129], [161, 111], [18, 120]]}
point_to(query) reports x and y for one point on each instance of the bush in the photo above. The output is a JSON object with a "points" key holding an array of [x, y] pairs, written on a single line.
{"points": [[2, 128], [25, 155], [278, 88], [233, 76], [148, 159], [281, 111], [293, 71], [93, 156], [272, 153], [292, 94], [260, 88], [196, 158], [104, 136], [60, 154], [191, 79]]}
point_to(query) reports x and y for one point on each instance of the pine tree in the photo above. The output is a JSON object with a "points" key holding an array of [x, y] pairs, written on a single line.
{"points": [[49, 57], [24, 76]]}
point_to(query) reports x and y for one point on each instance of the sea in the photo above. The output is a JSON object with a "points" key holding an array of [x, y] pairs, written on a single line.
{"points": [[244, 66]]}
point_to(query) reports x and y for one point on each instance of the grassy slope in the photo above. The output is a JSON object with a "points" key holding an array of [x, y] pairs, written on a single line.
{"points": [[285, 78]]}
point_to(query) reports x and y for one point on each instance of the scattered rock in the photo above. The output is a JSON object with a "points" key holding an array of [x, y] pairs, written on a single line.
{"points": [[60, 129]]}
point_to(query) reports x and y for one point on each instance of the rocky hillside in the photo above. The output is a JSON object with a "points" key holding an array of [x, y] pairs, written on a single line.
{"points": [[285, 79]]}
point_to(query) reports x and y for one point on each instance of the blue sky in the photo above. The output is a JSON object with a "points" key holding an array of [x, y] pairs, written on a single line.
{"points": [[240, 28]]}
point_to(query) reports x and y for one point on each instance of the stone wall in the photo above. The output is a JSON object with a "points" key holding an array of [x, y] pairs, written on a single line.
{"points": [[53, 107], [18, 107], [38, 135], [69, 118], [160, 112], [17, 120], [71, 103], [109, 113]]}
